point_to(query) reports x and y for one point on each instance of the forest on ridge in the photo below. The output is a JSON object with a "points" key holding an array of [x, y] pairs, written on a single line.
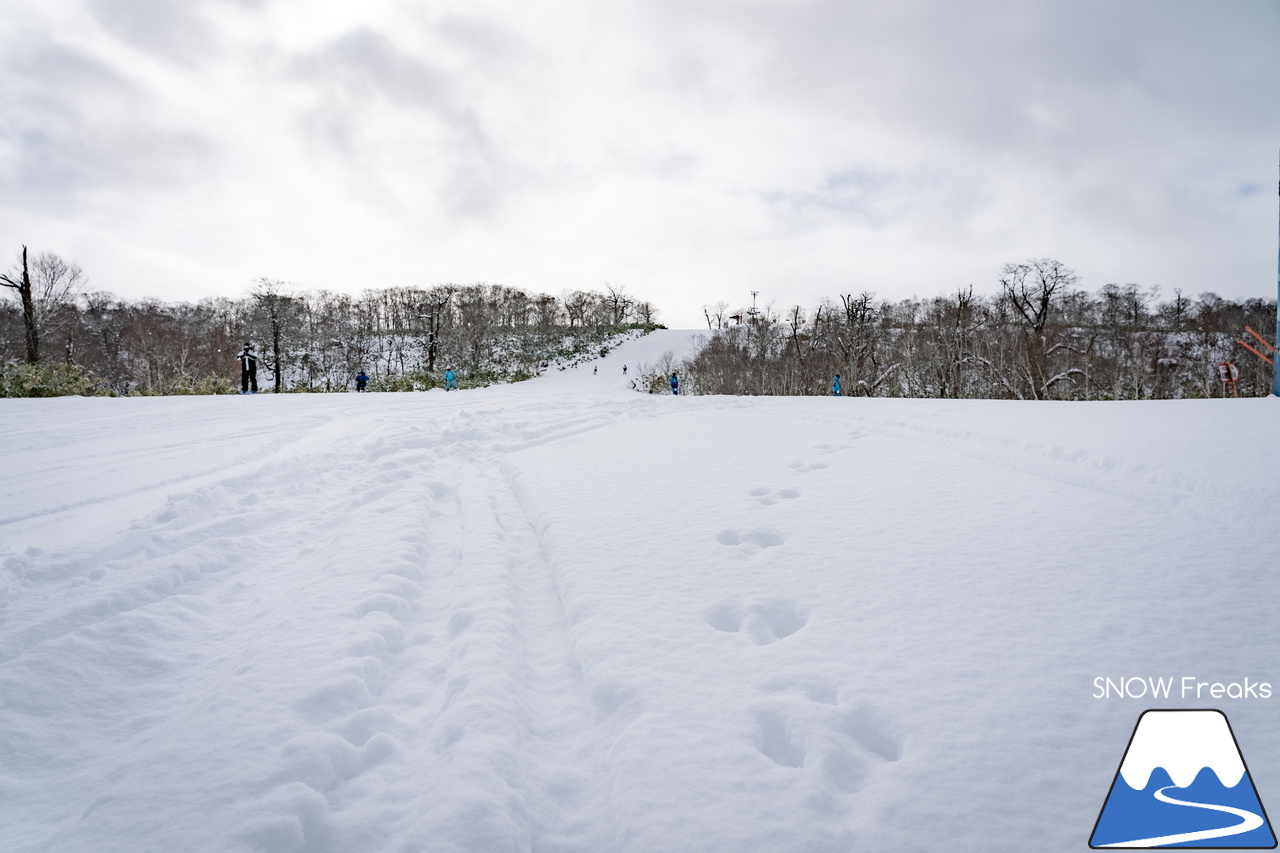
{"points": [[1038, 337]]}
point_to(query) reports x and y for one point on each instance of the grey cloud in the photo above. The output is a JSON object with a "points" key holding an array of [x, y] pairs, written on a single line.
{"points": [[483, 38], [76, 125], [1100, 109], [364, 72], [873, 198], [176, 31], [989, 74], [364, 66], [1119, 128]]}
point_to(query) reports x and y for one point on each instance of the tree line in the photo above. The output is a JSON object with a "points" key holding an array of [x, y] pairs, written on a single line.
{"points": [[1038, 338], [57, 330]]}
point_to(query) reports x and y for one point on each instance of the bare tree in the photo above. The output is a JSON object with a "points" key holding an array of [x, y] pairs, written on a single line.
{"points": [[646, 313], [22, 285], [859, 338], [278, 309], [1034, 289], [619, 303], [56, 283], [432, 310], [45, 288], [576, 305], [716, 315]]}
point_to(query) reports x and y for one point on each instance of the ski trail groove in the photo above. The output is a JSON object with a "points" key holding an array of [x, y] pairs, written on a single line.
{"points": [[380, 601], [1103, 473]]}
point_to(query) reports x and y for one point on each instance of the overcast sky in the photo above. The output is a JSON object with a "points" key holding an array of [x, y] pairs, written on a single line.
{"points": [[689, 150]]}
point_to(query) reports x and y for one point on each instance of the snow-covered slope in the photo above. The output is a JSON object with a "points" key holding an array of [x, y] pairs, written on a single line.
{"points": [[671, 345], [563, 616]]}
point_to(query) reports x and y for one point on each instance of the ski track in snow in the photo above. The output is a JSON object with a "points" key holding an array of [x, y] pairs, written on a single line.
{"points": [[394, 625], [470, 604], [1080, 467]]}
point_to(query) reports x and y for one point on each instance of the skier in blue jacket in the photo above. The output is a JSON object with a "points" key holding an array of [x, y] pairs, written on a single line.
{"points": [[675, 384], [450, 380], [835, 386]]}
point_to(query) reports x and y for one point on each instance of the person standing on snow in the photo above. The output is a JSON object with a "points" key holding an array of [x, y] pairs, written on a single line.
{"points": [[362, 379], [835, 386], [450, 380], [675, 384], [624, 370], [248, 369]]}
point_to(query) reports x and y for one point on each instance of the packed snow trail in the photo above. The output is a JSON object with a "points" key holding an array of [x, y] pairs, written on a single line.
{"points": [[563, 616], [325, 592]]}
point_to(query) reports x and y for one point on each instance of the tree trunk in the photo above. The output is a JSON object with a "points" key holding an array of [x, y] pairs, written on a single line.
{"points": [[275, 350], [28, 308]]}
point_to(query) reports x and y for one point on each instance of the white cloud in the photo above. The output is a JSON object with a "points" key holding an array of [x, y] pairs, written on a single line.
{"points": [[692, 151]]}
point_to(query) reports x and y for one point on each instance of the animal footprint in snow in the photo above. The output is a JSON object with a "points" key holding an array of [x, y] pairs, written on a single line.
{"points": [[815, 691], [776, 739], [862, 725], [828, 449], [806, 467], [846, 746], [769, 497], [749, 541], [764, 622]]}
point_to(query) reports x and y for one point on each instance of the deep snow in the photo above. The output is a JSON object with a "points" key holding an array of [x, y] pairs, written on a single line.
{"points": [[563, 616]]}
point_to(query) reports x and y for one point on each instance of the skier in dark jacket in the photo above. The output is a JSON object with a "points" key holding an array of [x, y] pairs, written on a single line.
{"points": [[248, 369], [362, 380], [675, 384], [835, 386]]}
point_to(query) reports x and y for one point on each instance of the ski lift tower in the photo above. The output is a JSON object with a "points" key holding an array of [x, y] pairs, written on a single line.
{"points": [[751, 316]]}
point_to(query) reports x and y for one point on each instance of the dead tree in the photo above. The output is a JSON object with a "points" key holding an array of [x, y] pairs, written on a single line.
{"points": [[1034, 289], [23, 286], [44, 288], [279, 310]]}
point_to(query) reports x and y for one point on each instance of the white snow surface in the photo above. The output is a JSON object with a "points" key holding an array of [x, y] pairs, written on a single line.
{"points": [[563, 616], [1183, 743]]}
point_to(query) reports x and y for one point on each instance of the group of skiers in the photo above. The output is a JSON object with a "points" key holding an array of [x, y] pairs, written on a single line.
{"points": [[249, 376]]}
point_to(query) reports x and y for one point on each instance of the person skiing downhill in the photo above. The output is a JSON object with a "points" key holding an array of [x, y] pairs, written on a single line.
{"points": [[675, 384], [362, 379], [835, 386], [248, 369], [450, 380]]}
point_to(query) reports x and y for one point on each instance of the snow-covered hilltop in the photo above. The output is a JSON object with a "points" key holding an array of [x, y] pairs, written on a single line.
{"points": [[563, 616]]}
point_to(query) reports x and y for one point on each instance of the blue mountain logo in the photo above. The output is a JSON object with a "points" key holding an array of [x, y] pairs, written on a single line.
{"points": [[1183, 783]]}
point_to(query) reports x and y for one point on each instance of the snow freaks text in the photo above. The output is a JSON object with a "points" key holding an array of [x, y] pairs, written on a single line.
{"points": [[1186, 687]]}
